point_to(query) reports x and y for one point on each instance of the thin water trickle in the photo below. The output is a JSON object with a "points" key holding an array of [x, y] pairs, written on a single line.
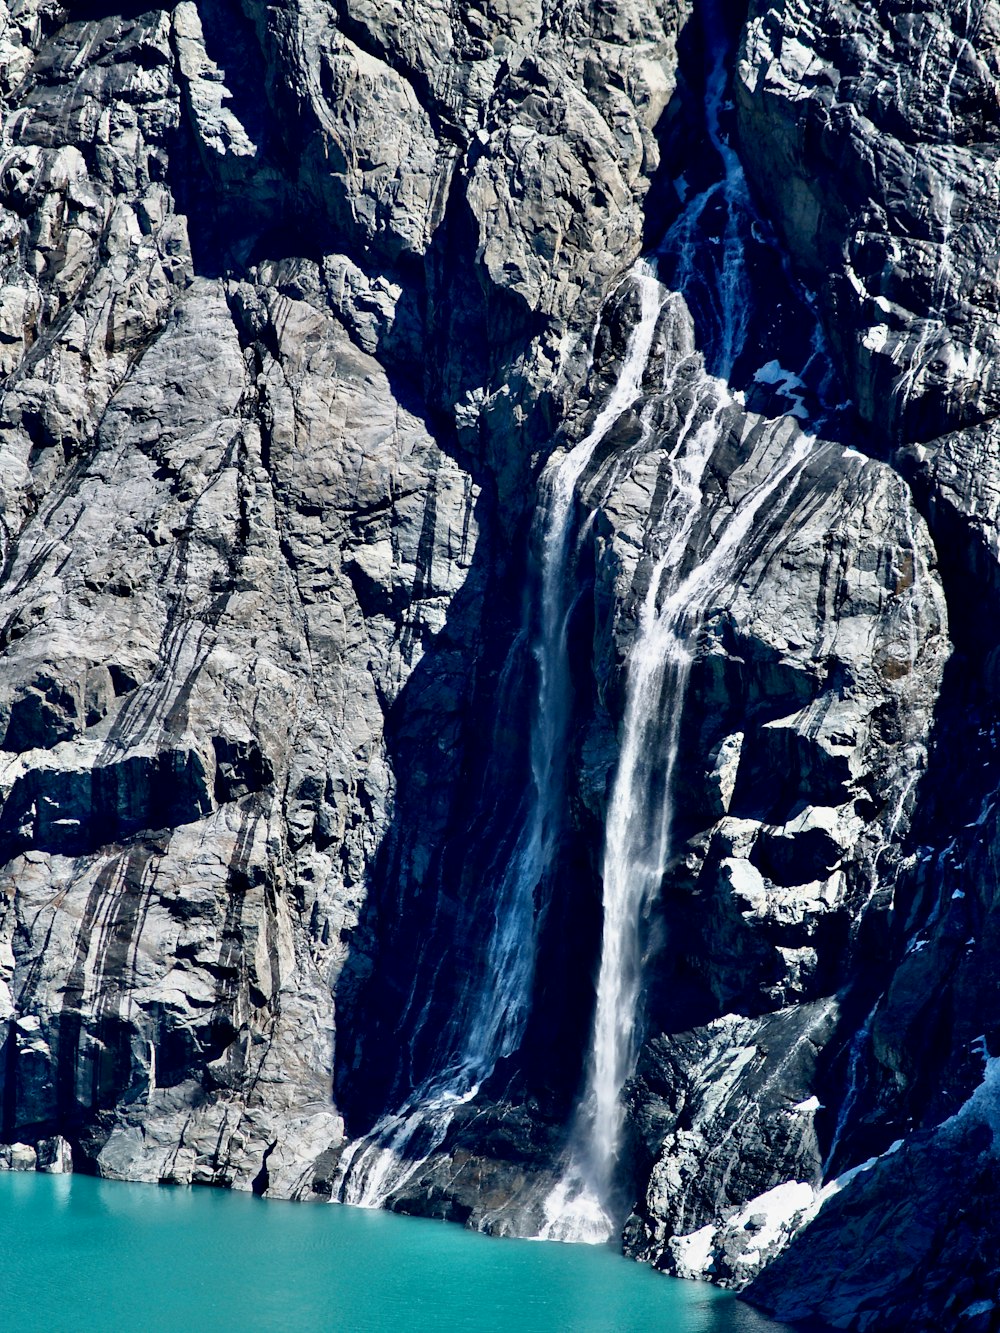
{"points": [[710, 271], [854, 1071]]}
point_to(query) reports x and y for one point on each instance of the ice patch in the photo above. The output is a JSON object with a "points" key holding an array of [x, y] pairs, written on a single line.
{"points": [[767, 1222]]}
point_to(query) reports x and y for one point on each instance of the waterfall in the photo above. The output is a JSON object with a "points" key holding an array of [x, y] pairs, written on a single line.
{"points": [[554, 523], [709, 269], [638, 830], [492, 1022], [712, 276], [702, 259], [637, 847]]}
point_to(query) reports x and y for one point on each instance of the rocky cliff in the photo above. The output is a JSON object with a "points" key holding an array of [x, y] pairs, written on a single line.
{"points": [[498, 692]]}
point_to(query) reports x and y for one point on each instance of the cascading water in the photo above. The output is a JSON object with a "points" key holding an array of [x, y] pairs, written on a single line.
{"points": [[638, 842], [554, 521], [637, 845], [492, 1023], [712, 277], [708, 268]]}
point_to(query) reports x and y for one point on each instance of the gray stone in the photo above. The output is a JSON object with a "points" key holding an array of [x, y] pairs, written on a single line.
{"points": [[22, 1157], [55, 1157], [298, 304]]}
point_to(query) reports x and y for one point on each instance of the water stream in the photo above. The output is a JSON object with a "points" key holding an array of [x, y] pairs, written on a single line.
{"points": [[707, 265], [638, 843], [855, 1079]]}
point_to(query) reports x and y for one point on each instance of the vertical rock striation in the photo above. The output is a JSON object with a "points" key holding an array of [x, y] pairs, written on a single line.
{"points": [[498, 683]]}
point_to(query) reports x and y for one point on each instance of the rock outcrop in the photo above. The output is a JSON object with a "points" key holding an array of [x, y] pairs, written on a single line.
{"points": [[498, 520]]}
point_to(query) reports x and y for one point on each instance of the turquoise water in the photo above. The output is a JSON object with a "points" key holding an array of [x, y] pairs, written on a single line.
{"points": [[89, 1256]]}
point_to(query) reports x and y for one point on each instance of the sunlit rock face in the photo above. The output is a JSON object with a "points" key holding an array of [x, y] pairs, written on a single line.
{"points": [[498, 512]]}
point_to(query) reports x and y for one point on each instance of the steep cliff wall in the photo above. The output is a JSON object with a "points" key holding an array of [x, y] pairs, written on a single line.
{"points": [[499, 673]]}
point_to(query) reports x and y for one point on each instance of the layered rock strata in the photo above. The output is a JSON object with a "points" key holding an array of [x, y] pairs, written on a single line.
{"points": [[375, 531]]}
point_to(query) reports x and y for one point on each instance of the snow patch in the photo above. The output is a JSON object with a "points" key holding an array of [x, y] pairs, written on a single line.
{"points": [[785, 382], [810, 1104], [774, 1215], [984, 1104], [977, 1308], [741, 1246], [694, 1255]]}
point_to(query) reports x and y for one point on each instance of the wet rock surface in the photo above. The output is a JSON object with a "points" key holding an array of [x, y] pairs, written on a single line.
{"points": [[395, 570]]}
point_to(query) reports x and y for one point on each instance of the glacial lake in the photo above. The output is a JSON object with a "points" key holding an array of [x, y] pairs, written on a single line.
{"points": [[79, 1255]]}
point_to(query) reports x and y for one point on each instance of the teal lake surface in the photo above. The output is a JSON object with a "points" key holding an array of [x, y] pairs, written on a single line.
{"points": [[79, 1255]]}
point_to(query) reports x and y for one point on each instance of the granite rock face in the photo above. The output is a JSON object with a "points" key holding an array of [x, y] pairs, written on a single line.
{"points": [[267, 375], [398, 570]]}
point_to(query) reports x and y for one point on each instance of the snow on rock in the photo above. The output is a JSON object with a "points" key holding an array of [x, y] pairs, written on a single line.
{"points": [[732, 1253]]}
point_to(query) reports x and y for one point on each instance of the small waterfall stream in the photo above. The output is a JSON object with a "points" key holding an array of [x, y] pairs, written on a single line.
{"points": [[554, 523], [855, 1074], [712, 277]]}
